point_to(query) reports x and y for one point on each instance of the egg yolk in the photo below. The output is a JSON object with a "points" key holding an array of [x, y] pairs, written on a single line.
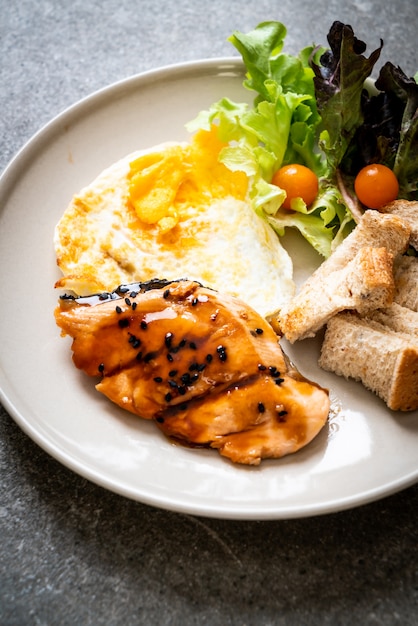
{"points": [[163, 185]]}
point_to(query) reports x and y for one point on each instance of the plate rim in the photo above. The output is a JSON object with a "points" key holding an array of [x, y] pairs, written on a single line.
{"points": [[106, 91]]}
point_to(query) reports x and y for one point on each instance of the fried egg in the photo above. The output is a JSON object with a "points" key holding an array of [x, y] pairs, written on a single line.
{"points": [[173, 211]]}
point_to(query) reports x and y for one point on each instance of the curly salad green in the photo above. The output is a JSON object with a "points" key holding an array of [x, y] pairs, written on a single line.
{"points": [[313, 109]]}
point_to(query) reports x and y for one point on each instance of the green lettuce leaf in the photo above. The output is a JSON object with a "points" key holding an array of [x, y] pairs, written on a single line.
{"points": [[339, 83], [405, 90], [311, 109], [389, 132], [281, 126]]}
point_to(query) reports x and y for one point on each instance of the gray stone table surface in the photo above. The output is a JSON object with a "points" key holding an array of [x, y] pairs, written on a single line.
{"points": [[73, 553]]}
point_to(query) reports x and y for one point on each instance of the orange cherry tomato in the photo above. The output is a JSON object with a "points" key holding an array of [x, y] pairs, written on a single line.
{"points": [[297, 181], [376, 185]]}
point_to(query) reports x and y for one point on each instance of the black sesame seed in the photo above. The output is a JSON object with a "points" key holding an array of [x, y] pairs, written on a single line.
{"points": [[194, 301], [127, 301], [133, 294], [273, 370], [139, 356], [192, 345], [158, 379], [118, 309], [170, 358], [149, 356], [194, 378], [168, 397], [172, 373], [282, 413], [168, 339], [134, 305], [185, 378], [261, 407], [209, 358], [101, 367], [166, 294], [279, 381], [124, 323], [259, 331], [193, 366], [134, 341], [160, 420], [221, 350], [123, 289], [261, 367], [182, 390], [144, 325], [201, 367], [182, 343], [173, 384]]}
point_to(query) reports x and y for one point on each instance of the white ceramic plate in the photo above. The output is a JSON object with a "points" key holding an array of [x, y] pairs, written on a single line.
{"points": [[365, 453]]}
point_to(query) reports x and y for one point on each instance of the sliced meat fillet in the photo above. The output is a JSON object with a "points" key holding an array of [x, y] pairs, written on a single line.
{"points": [[205, 366]]}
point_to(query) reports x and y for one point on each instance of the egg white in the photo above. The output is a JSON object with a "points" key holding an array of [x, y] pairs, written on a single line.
{"points": [[100, 243]]}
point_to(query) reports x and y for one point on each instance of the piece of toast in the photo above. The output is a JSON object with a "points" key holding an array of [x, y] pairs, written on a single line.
{"points": [[397, 318], [357, 276], [383, 359], [406, 281], [408, 211]]}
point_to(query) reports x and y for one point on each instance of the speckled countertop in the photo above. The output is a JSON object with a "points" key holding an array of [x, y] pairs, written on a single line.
{"points": [[75, 554]]}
